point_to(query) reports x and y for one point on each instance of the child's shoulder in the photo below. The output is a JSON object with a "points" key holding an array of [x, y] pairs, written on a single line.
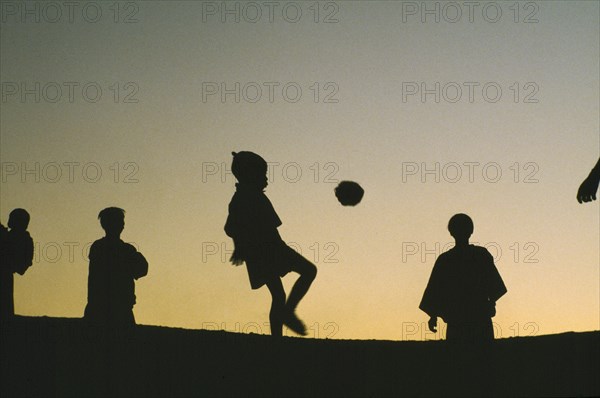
{"points": [[129, 247], [480, 250], [19, 235], [105, 244], [455, 252], [98, 244]]}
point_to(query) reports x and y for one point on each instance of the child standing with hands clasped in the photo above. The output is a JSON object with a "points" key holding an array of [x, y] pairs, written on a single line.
{"points": [[252, 224], [114, 267]]}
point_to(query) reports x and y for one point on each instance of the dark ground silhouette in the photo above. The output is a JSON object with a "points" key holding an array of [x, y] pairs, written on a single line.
{"points": [[46, 357], [252, 224]]}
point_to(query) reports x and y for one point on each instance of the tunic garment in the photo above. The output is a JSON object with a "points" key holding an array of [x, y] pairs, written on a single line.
{"points": [[463, 287], [252, 223]]}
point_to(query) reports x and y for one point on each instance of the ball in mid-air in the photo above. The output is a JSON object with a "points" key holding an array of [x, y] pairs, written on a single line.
{"points": [[349, 193]]}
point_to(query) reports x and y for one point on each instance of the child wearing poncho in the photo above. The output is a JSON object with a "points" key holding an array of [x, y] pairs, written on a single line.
{"points": [[463, 288]]}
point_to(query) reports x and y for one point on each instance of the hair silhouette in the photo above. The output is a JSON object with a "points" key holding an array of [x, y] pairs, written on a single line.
{"points": [[252, 224], [112, 219], [460, 226], [248, 167], [16, 252], [589, 187], [114, 267], [463, 287], [18, 219]]}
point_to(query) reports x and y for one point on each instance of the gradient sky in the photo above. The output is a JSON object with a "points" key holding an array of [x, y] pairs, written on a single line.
{"points": [[157, 154]]}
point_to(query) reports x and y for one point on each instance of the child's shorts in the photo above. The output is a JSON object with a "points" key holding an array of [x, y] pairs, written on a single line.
{"points": [[268, 260]]}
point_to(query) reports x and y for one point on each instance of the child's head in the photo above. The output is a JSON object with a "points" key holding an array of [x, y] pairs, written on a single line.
{"points": [[112, 220], [18, 219], [460, 226], [249, 168]]}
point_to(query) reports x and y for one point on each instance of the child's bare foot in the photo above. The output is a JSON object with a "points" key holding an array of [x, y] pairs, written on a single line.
{"points": [[294, 323]]}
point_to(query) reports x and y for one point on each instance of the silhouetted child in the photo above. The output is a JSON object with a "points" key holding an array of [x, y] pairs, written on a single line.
{"points": [[252, 223], [114, 265], [463, 287], [17, 256]]}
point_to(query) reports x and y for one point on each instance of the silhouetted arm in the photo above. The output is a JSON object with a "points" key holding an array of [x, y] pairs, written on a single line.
{"points": [[589, 186], [234, 230], [238, 255], [495, 284], [97, 280], [26, 255], [231, 227], [430, 303], [4, 261], [139, 265], [21, 246]]}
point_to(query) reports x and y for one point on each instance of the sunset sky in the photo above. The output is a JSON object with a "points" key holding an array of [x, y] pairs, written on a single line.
{"points": [[493, 111]]}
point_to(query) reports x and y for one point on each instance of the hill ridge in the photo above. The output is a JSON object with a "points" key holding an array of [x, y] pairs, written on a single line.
{"points": [[45, 356]]}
